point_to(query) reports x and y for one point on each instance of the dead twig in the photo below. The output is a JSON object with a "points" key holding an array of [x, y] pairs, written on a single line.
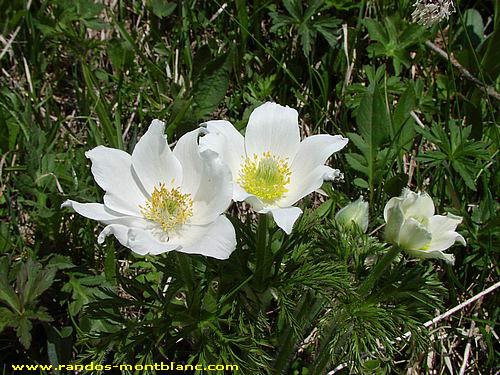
{"points": [[468, 75]]}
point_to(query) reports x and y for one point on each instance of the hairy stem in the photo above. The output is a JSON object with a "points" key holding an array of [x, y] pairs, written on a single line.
{"points": [[261, 250], [379, 269]]}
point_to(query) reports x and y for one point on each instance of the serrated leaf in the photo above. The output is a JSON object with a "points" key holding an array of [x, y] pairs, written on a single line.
{"points": [[23, 330], [462, 171], [60, 262], [373, 121], [357, 161], [6, 318], [376, 30], [8, 295], [359, 142], [212, 85], [372, 118]]}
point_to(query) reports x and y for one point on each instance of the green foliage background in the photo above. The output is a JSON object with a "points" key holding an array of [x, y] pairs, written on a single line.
{"points": [[83, 73]]}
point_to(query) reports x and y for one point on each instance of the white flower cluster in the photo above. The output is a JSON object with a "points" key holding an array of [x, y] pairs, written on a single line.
{"points": [[430, 12], [159, 200]]}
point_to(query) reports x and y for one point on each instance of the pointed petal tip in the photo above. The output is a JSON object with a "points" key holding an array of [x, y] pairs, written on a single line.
{"points": [[285, 218], [461, 239], [157, 124]]}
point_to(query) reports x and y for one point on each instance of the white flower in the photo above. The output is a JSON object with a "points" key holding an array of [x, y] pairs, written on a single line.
{"points": [[411, 224], [354, 213], [158, 200], [429, 12], [272, 169]]}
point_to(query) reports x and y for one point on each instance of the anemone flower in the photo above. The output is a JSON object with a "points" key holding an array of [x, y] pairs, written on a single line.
{"points": [[412, 225], [158, 200], [272, 169]]}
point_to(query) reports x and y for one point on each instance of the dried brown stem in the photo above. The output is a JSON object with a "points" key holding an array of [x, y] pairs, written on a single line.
{"points": [[468, 75]]}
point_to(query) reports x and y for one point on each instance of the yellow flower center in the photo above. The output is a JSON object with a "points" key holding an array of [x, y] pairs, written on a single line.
{"points": [[168, 207], [265, 177]]}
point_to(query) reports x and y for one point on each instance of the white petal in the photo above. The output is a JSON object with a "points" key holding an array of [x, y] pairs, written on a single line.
{"points": [[118, 230], [413, 235], [138, 240], [215, 192], [418, 205], [439, 223], [436, 254], [394, 218], [315, 151], [187, 152], [300, 186], [273, 128], [103, 214], [395, 201], [286, 217], [228, 142], [153, 161], [112, 170], [216, 240], [444, 240], [239, 194], [94, 211], [144, 242], [256, 203]]}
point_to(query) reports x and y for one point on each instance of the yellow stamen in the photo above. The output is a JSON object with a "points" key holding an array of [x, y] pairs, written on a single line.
{"points": [[265, 177], [168, 207]]}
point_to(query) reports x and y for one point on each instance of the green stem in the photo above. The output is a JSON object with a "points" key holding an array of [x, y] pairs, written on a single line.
{"points": [[227, 297], [187, 274], [261, 250], [382, 264]]}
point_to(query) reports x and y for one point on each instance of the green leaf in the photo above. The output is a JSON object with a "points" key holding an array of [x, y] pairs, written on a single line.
{"points": [[43, 316], [32, 281], [6, 318], [294, 7], [373, 123], [163, 8], [359, 142], [357, 162], [23, 329], [361, 183], [60, 262], [474, 26], [110, 264], [306, 41], [83, 291], [8, 295], [211, 87], [372, 118], [376, 30], [403, 124]]}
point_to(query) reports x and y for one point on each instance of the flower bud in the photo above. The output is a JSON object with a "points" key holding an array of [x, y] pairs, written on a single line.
{"points": [[354, 213]]}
